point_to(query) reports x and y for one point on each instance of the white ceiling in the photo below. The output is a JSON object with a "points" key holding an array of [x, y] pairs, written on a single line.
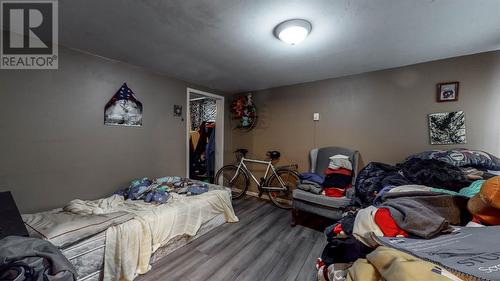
{"points": [[228, 45]]}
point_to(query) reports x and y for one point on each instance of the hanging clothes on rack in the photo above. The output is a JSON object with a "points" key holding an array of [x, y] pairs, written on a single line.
{"points": [[203, 112], [202, 156], [210, 153], [195, 137]]}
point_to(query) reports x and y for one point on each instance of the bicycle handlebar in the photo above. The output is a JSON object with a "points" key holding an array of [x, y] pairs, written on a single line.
{"points": [[272, 154]]}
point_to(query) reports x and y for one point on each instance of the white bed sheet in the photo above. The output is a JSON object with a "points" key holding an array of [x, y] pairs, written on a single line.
{"points": [[129, 246]]}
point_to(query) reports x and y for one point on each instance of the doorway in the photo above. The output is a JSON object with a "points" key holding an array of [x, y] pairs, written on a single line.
{"points": [[205, 134]]}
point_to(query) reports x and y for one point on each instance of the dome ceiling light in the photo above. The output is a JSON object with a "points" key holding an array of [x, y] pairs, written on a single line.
{"points": [[293, 31]]}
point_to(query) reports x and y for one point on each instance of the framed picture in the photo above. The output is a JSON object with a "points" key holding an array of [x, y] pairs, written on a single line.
{"points": [[447, 128], [123, 109], [447, 91]]}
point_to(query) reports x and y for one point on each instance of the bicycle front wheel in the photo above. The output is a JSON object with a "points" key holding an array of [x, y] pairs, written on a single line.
{"points": [[236, 180], [283, 198]]}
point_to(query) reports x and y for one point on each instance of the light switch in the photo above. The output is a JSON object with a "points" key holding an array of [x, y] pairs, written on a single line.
{"points": [[316, 116]]}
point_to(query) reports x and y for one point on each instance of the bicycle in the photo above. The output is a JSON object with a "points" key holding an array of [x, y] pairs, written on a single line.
{"points": [[278, 182]]}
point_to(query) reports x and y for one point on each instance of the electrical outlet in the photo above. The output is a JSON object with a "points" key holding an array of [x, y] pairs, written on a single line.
{"points": [[316, 116]]}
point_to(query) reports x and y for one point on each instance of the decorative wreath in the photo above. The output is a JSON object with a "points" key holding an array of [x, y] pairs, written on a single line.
{"points": [[244, 110]]}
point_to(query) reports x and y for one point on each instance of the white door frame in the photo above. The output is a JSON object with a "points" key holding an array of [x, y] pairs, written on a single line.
{"points": [[219, 127]]}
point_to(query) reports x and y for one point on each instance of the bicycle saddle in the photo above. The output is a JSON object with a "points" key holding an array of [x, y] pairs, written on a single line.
{"points": [[273, 154], [242, 151]]}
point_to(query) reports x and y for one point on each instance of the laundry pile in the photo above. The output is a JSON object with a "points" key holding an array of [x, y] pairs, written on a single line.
{"points": [[421, 198], [33, 259], [336, 180], [311, 182], [158, 190]]}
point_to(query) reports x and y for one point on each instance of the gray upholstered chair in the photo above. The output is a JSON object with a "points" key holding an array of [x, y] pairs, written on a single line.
{"points": [[328, 207]]}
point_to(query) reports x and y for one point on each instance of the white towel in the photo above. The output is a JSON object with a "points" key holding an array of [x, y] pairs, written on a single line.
{"points": [[340, 161], [364, 225]]}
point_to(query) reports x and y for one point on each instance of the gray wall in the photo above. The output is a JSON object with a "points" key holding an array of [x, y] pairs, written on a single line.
{"points": [[54, 145], [383, 114]]}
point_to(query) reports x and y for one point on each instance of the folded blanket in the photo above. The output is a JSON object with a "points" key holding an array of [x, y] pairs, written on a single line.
{"points": [[64, 228], [340, 161], [427, 216], [334, 192], [311, 182], [311, 177], [310, 188]]}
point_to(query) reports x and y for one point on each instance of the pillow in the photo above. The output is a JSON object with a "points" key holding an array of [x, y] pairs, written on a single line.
{"points": [[485, 205], [462, 158]]}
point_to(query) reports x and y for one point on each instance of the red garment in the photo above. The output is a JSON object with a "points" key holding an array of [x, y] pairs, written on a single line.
{"points": [[334, 192], [387, 224], [341, 171], [337, 229]]}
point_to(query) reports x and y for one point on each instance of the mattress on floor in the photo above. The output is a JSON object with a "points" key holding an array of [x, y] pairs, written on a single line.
{"points": [[88, 255]]}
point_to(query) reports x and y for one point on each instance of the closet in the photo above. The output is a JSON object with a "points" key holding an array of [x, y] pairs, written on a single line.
{"points": [[203, 113]]}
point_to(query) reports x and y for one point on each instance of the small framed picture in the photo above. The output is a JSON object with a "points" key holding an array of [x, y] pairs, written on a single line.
{"points": [[177, 110], [447, 91]]}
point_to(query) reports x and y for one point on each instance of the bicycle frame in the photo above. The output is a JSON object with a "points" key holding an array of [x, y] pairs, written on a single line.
{"points": [[270, 167]]}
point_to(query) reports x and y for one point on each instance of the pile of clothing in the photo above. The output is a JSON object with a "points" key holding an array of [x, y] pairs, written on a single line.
{"points": [[311, 182], [376, 177], [33, 259], [336, 180], [420, 198], [387, 264], [158, 191], [462, 157], [338, 176]]}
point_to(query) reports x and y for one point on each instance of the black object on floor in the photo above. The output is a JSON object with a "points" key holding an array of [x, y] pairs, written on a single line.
{"points": [[344, 250], [11, 222]]}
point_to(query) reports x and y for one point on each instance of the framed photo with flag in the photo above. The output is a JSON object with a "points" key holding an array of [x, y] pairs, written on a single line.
{"points": [[123, 109]]}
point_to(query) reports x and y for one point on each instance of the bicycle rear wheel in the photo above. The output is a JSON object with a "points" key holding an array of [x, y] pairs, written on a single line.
{"points": [[283, 199], [237, 181]]}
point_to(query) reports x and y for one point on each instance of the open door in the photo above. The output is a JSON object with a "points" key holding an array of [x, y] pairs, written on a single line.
{"points": [[204, 134]]}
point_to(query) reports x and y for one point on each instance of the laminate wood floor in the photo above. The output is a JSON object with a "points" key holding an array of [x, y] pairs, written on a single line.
{"points": [[262, 246]]}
